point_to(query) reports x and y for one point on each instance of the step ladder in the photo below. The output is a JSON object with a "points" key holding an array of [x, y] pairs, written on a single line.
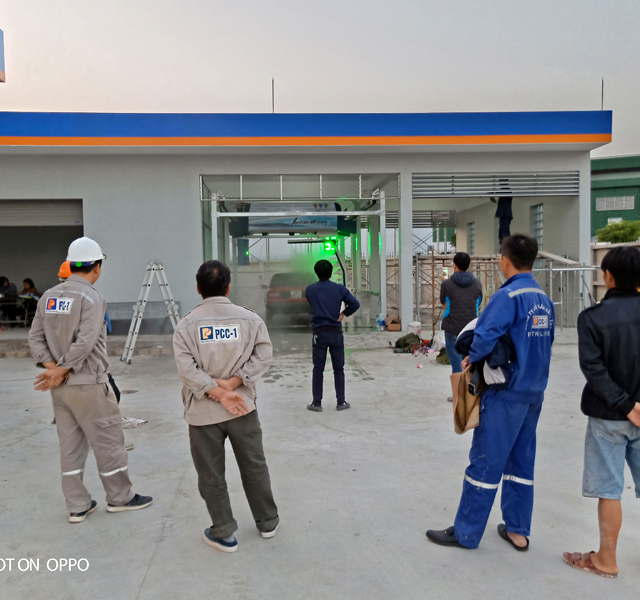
{"points": [[154, 269]]}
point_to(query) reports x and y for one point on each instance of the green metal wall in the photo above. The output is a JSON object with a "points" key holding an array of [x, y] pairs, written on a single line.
{"points": [[623, 179], [599, 218], [445, 234]]}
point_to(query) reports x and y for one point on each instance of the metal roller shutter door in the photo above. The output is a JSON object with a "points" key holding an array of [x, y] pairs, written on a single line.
{"points": [[40, 213]]}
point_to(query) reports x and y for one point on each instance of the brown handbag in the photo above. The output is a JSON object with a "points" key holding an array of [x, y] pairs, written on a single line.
{"points": [[466, 405]]}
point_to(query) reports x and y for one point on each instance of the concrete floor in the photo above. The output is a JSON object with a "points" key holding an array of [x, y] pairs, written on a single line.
{"points": [[356, 492]]}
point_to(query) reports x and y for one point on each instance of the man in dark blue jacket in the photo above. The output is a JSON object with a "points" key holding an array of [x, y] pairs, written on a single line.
{"points": [[504, 444], [326, 298]]}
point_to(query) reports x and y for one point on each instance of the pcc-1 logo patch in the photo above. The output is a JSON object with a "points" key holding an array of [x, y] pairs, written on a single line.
{"points": [[58, 306], [209, 334], [540, 322]]}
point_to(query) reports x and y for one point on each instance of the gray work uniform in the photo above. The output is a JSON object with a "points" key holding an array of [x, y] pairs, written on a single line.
{"points": [[69, 329], [219, 340]]}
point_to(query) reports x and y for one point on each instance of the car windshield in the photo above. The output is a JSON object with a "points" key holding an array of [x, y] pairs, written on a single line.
{"points": [[292, 280]]}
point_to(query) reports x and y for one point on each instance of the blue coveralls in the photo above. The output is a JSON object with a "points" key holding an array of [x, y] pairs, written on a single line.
{"points": [[504, 444]]}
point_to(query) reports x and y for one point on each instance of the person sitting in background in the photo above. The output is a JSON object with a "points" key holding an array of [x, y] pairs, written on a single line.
{"points": [[7, 289], [29, 289], [8, 310], [31, 297]]}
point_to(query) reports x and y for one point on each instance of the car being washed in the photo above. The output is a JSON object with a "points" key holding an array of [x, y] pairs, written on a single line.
{"points": [[286, 294]]}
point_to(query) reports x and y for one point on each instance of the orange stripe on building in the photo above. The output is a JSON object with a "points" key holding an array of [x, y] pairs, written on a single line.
{"points": [[308, 141]]}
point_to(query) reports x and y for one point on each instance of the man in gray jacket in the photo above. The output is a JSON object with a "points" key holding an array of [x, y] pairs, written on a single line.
{"points": [[68, 338], [221, 350], [461, 296]]}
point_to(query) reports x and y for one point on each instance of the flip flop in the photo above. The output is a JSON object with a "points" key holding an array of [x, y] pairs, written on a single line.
{"points": [[502, 532], [583, 562]]}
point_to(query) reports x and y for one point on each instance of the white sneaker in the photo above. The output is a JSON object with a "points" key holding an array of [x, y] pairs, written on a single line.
{"points": [[270, 534]]}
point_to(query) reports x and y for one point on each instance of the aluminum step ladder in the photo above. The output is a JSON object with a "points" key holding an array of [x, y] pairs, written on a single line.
{"points": [[154, 269]]}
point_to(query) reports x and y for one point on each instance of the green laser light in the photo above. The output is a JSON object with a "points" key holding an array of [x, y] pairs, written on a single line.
{"points": [[330, 244]]}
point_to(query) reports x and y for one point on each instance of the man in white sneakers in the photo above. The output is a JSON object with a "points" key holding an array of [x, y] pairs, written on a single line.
{"points": [[68, 338], [221, 350]]}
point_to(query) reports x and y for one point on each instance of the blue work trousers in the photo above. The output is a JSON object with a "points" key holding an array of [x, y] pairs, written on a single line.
{"points": [[455, 358], [504, 447]]}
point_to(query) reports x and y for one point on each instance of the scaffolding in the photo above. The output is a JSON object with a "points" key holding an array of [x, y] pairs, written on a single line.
{"points": [[568, 284]]}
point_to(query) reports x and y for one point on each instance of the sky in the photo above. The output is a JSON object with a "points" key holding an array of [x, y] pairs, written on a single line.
{"points": [[329, 56]]}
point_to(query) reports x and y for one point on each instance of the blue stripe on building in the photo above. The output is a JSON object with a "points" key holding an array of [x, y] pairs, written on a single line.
{"points": [[302, 125]]}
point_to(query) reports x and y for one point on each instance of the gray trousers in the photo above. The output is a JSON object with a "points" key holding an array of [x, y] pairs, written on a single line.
{"points": [[89, 415], [207, 450]]}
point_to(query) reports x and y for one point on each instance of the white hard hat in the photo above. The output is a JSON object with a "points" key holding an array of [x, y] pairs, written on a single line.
{"points": [[85, 251]]}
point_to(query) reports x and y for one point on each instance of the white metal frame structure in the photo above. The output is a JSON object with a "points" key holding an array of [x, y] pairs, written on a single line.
{"points": [[368, 210]]}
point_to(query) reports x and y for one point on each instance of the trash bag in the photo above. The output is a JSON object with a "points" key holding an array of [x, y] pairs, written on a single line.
{"points": [[406, 341]]}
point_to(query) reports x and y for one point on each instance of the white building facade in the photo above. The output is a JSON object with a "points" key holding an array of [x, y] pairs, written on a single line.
{"points": [[134, 183]]}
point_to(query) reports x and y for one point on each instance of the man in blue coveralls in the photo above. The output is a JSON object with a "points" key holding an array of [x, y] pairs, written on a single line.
{"points": [[326, 298], [504, 444]]}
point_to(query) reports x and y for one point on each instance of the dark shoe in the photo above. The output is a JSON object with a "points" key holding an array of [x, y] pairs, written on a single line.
{"points": [[343, 406], [136, 503], [444, 537], [219, 543], [314, 407], [502, 532], [79, 517], [270, 534]]}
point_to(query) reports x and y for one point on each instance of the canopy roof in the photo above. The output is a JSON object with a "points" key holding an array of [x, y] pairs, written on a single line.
{"points": [[382, 131]]}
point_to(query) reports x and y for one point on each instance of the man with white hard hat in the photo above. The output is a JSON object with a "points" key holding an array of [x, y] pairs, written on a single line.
{"points": [[68, 338]]}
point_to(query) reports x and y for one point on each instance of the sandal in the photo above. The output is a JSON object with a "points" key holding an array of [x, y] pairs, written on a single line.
{"points": [[583, 562], [502, 532]]}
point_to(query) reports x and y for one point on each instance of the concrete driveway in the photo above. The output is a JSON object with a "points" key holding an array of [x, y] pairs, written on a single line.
{"points": [[356, 491]]}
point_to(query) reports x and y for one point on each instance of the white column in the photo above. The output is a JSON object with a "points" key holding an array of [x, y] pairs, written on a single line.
{"points": [[356, 261], [405, 230], [234, 270], [585, 211], [383, 255], [214, 230], [342, 248], [224, 242], [374, 264]]}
